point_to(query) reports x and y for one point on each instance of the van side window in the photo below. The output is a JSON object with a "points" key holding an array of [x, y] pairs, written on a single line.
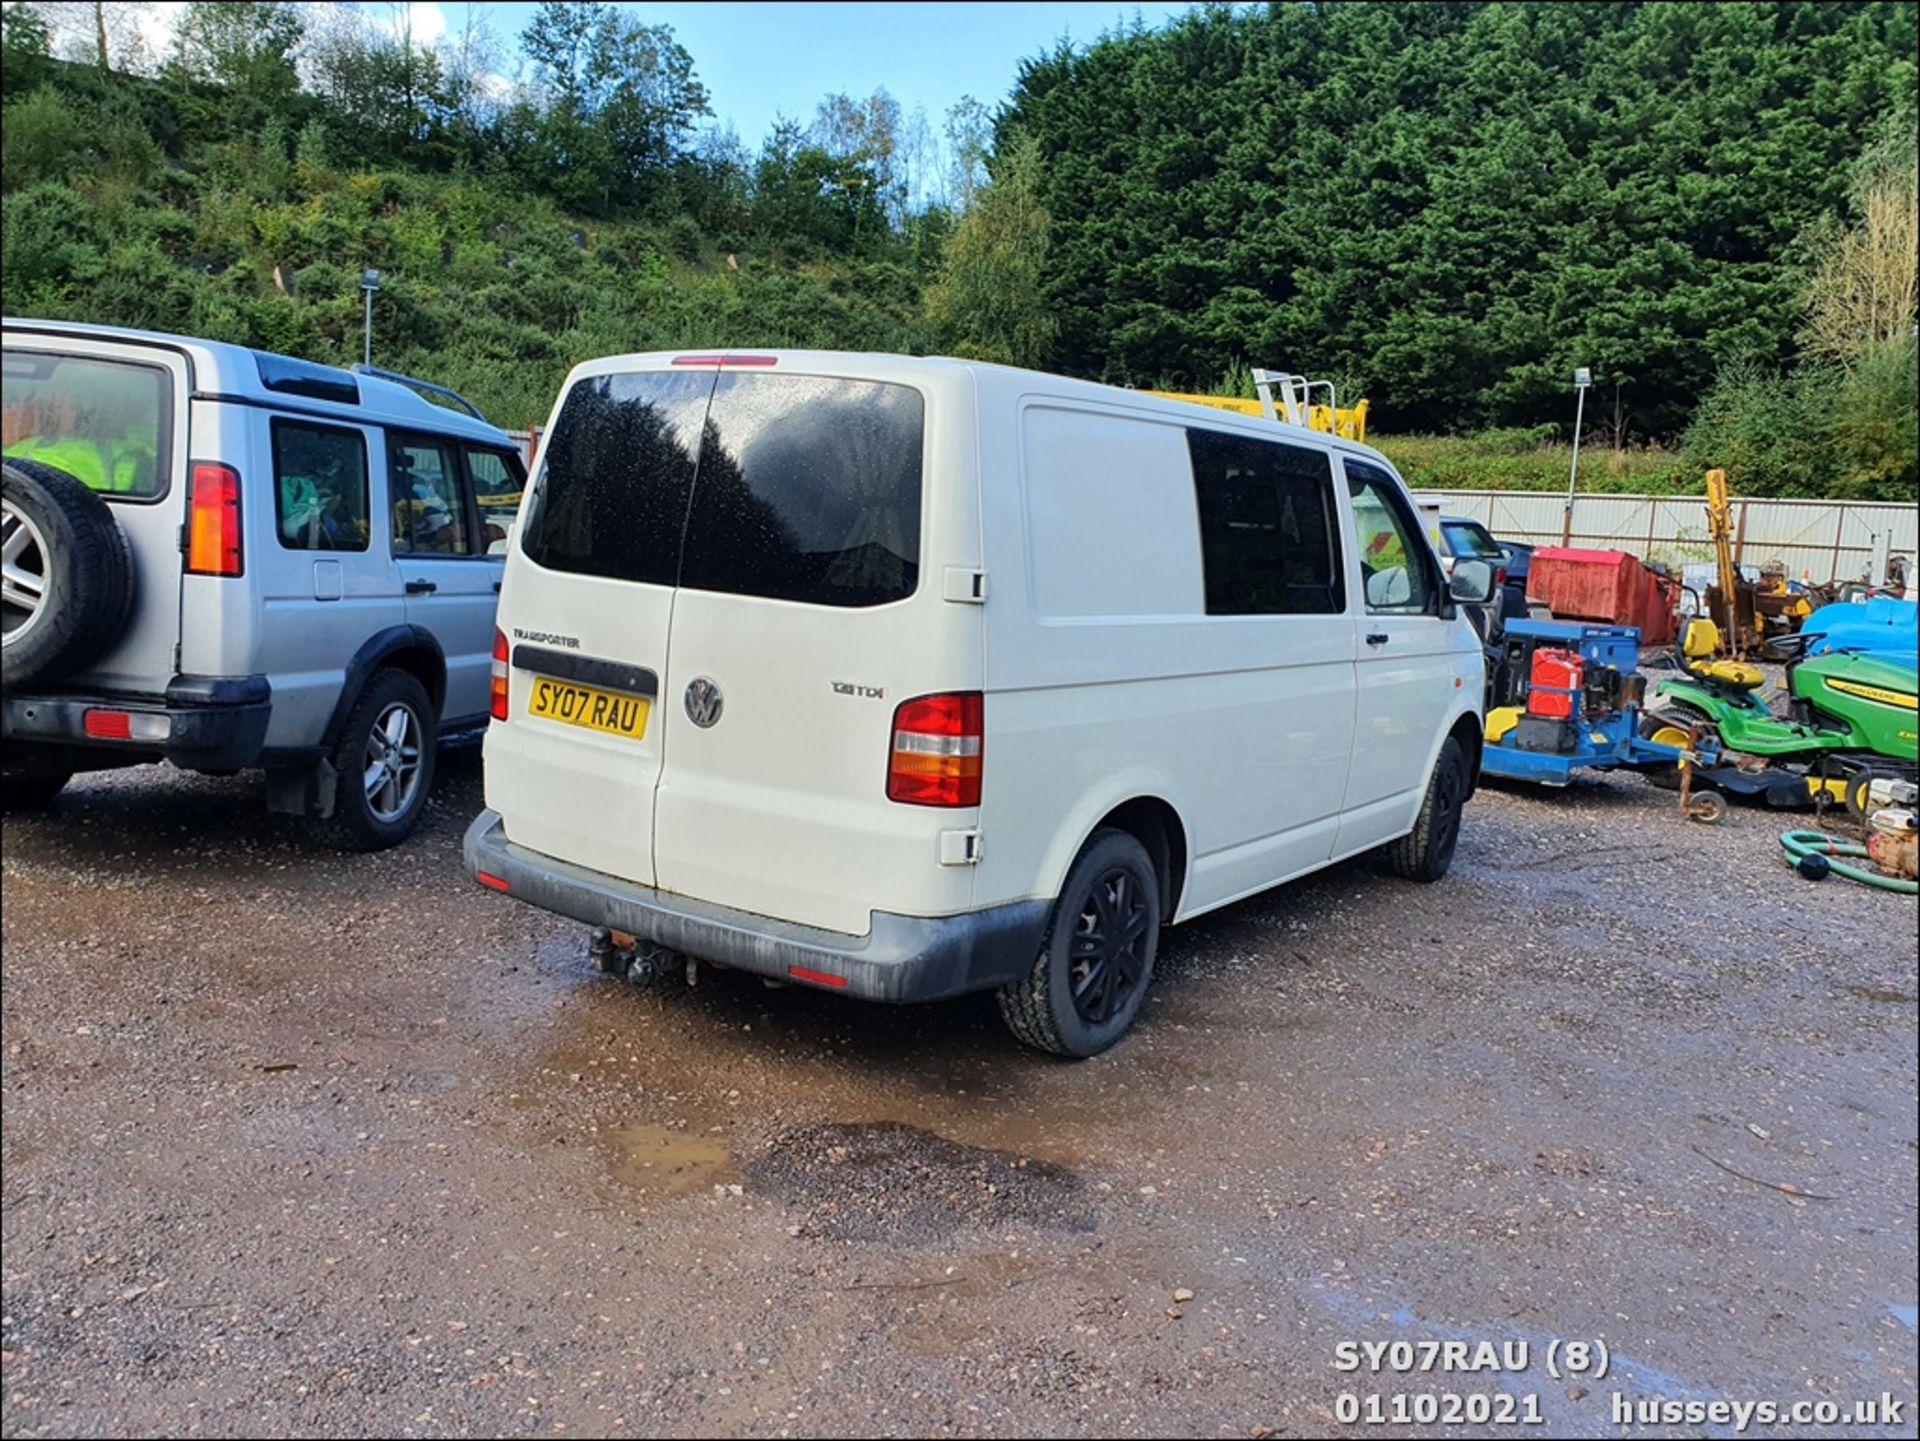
{"points": [[498, 480], [1396, 566], [320, 486], [1267, 526], [429, 509]]}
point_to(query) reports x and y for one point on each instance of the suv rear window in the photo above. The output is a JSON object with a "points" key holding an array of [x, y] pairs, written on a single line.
{"points": [[1471, 541], [104, 422], [802, 488]]}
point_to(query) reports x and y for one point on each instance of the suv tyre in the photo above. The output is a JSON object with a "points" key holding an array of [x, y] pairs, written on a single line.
{"points": [[383, 761], [68, 574]]}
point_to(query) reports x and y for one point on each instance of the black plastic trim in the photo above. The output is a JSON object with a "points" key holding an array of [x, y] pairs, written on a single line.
{"points": [[204, 736], [609, 674], [377, 648], [204, 690]]}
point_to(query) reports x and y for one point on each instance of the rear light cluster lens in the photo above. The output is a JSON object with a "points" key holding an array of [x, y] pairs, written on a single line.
{"points": [[1499, 577], [213, 526], [499, 683], [938, 741], [120, 725]]}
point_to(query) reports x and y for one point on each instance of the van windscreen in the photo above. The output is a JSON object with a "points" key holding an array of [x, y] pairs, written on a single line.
{"points": [[803, 488]]}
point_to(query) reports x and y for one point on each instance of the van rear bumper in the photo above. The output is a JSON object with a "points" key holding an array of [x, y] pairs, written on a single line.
{"points": [[202, 723], [901, 958]]}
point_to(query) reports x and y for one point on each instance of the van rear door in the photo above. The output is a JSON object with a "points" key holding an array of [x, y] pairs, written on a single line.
{"points": [[586, 604], [809, 609]]}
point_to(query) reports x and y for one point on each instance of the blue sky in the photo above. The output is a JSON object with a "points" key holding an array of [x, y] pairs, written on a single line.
{"points": [[762, 60]]}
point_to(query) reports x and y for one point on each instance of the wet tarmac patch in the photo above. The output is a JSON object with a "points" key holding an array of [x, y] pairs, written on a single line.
{"points": [[887, 1181], [667, 1162], [1883, 994]]}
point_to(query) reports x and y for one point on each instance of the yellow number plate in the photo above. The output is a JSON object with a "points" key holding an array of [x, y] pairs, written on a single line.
{"points": [[581, 705]]}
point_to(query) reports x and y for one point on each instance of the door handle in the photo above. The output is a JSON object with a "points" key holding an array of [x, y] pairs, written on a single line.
{"points": [[1377, 637], [421, 587], [496, 587]]}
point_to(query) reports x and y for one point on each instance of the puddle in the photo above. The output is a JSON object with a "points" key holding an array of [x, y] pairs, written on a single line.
{"points": [[887, 1181], [1880, 993], [666, 1162]]}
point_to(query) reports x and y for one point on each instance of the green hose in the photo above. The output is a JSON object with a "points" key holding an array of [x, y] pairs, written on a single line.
{"points": [[1818, 843]]}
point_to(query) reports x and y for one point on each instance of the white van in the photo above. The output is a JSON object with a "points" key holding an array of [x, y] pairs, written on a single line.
{"points": [[910, 677]]}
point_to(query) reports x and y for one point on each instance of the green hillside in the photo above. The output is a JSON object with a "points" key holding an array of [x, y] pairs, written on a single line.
{"points": [[1445, 207]]}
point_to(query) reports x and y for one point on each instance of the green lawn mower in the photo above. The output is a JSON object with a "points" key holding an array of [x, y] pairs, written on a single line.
{"points": [[1850, 720]]}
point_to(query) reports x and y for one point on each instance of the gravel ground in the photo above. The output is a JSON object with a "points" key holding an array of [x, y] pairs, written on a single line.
{"points": [[303, 1143]]}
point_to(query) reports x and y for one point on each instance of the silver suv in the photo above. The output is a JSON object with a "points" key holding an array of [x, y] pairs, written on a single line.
{"points": [[228, 559]]}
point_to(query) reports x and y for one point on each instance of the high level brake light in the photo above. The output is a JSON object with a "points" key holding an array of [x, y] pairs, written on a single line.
{"points": [[938, 741], [499, 682], [213, 523]]}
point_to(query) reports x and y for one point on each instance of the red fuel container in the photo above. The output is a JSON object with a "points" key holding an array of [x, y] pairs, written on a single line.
{"points": [[1553, 682]]}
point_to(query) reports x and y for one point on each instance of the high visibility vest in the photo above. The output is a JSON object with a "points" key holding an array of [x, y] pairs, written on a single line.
{"points": [[119, 467]]}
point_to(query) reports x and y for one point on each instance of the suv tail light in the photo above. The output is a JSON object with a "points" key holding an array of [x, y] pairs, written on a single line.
{"points": [[213, 524], [499, 683], [937, 746]]}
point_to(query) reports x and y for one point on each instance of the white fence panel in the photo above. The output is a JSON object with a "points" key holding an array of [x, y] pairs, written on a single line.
{"points": [[1820, 539]]}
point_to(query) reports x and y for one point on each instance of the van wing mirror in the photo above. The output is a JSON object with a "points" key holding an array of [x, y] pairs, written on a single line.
{"points": [[1471, 582]]}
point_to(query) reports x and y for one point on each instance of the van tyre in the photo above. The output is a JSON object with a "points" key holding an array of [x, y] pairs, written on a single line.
{"points": [[1096, 962], [1425, 852], [384, 762], [68, 588]]}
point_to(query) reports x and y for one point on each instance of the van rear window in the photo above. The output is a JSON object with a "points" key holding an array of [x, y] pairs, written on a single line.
{"points": [[792, 487], [104, 422], [809, 490], [619, 466]]}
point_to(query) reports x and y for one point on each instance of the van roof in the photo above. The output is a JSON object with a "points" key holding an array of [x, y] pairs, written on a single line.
{"points": [[220, 369], [880, 365]]}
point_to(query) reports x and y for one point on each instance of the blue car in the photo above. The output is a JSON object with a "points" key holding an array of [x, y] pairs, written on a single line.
{"points": [[1465, 539]]}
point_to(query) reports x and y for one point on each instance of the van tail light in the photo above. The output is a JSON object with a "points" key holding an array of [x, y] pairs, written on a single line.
{"points": [[213, 525], [499, 683], [938, 741], [1499, 578]]}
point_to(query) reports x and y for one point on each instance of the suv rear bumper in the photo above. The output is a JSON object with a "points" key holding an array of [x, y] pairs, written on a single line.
{"points": [[901, 958], [212, 723]]}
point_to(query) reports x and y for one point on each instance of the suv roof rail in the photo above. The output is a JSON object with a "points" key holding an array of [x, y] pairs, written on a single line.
{"points": [[414, 382]]}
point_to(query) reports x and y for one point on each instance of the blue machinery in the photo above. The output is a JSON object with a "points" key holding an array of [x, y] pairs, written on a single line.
{"points": [[1565, 694]]}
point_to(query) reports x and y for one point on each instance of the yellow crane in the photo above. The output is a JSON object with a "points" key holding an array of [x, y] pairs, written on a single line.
{"points": [[1289, 398]]}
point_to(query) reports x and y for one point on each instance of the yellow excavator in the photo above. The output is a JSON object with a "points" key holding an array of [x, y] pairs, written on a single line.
{"points": [[1290, 398], [1745, 611]]}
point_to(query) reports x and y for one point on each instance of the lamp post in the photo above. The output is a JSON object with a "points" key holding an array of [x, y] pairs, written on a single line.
{"points": [[369, 282], [1582, 378]]}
